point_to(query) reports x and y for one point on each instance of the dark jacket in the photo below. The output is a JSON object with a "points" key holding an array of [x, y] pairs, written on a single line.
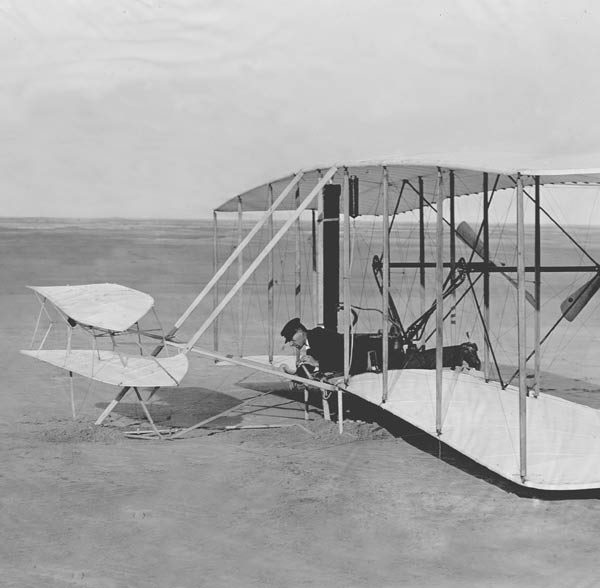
{"points": [[327, 347]]}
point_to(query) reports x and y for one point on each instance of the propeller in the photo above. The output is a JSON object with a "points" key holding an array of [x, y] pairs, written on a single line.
{"points": [[468, 236], [577, 301]]}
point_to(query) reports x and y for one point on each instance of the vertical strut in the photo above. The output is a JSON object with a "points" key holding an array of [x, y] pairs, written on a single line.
{"points": [[240, 272], [486, 276], [298, 263], [346, 274], [298, 286], [521, 326], [315, 281], [386, 283], [346, 291], [452, 252], [439, 309], [538, 289], [319, 235], [216, 288], [422, 243], [270, 284]]}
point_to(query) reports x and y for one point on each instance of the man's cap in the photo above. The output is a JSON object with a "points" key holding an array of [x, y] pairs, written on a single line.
{"points": [[290, 328]]}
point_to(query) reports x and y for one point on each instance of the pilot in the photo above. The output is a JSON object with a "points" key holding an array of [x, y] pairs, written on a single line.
{"points": [[325, 351]]}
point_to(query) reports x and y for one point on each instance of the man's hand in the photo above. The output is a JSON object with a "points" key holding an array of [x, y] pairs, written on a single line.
{"points": [[309, 360]]}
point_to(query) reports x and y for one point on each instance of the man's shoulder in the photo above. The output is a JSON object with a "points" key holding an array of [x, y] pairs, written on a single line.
{"points": [[322, 333], [322, 330]]}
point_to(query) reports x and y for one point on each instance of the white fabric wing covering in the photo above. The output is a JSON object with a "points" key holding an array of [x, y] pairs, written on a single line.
{"points": [[118, 369], [481, 421], [370, 176], [106, 306]]}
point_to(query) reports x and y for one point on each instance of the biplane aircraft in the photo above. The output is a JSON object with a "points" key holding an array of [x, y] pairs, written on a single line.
{"points": [[417, 360]]}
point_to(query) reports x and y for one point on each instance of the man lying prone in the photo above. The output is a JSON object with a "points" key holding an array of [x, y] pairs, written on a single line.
{"points": [[325, 352]]}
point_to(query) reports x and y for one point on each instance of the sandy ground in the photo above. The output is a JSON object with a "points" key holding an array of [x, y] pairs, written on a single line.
{"points": [[295, 506]]}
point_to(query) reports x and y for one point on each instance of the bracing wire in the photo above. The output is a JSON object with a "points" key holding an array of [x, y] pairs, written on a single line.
{"points": [[485, 329]]}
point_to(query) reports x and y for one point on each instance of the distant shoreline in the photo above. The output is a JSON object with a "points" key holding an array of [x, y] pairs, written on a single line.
{"points": [[47, 223]]}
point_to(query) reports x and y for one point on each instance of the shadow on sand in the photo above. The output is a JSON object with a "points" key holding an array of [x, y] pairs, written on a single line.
{"points": [[184, 407], [179, 407], [358, 409]]}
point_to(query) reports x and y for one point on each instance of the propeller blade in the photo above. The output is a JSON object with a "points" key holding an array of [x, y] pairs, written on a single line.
{"points": [[577, 301], [469, 236]]}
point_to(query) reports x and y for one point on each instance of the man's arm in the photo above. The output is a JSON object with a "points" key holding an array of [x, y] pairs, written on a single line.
{"points": [[309, 359]]}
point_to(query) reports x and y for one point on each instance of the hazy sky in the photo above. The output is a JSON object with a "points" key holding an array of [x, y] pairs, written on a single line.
{"points": [[165, 109]]}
